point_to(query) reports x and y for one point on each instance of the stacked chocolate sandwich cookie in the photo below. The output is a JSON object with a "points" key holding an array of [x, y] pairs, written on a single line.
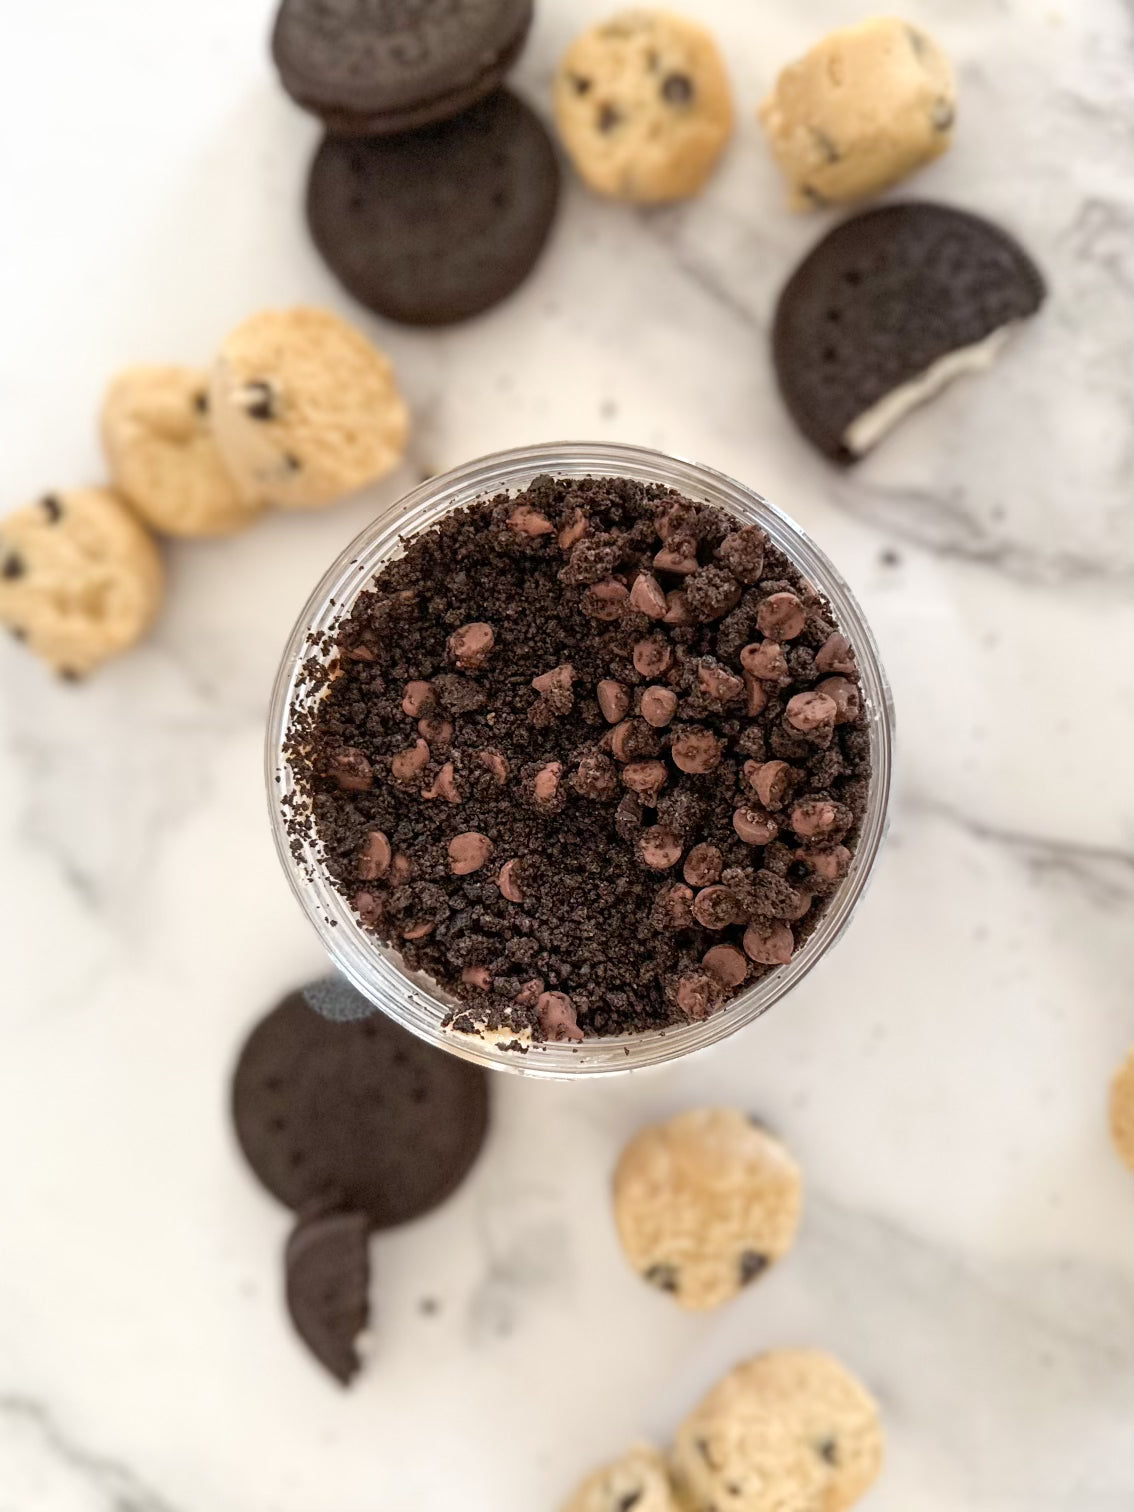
{"points": [[434, 189]]}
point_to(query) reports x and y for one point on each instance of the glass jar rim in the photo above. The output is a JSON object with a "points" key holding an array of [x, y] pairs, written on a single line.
{"points": [[416, 1001]]}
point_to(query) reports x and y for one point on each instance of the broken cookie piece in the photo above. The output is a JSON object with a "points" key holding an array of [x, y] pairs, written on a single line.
{"points": [[887, 310]]}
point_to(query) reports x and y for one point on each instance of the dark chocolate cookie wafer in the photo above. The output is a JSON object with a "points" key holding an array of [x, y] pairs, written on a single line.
{"points": [[327, 1283], [372, 67], [438, 225], [886, 310], [359, 1116]]}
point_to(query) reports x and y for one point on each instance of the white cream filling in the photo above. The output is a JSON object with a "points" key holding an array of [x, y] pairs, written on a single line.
{"points": [[867, 429], [498, 1037]]}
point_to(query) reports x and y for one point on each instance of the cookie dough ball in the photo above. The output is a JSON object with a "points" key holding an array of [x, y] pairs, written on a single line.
{"points": [[304, 408], [705, 1203], [789, 1429], [1122, 1110], [80, 578], [644, 107], [860, 111], [162, 454], [639, 1480]]}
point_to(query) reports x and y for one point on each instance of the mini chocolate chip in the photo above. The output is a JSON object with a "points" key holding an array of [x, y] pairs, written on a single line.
{"points": [[828, 1449], [825, 145], [258, 401], [17, 632], [677, 88], [608, 117], [13, 566], [292, 462], [526, 521], [52, 506], [581, 85], [942, 115], [69, 675], [751, 1264], [628, 1500], [351, 770], [813, 197], [471, 644], [201, 402], [663, 1276]]}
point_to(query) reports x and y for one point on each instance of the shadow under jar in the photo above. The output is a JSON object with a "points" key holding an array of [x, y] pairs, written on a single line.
{"points": [[312, 784]]}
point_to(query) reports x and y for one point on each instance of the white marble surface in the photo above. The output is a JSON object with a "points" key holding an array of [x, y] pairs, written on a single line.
{"points": [[967, 1238]]}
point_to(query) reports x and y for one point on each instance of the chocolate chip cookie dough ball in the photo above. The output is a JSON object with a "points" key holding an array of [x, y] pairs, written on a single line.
{"points": [[80, 578], [791, 1428], [705, 1203], [864, 108], [163, 457], [1122, 1110], [304, 408], [639, 1480], [644, 107], [385, 66]]}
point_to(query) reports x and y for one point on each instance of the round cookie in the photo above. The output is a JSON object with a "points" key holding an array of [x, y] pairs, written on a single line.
{"points": [[887, 309], [373, 67], [439, 225], [797, 1408], [304, 408], [162, 455], [1122, 1110], [705, 1203], [80, 579], [864, 108], [360, 1116], [327, 1285], [643, 106], [638, 1479]]}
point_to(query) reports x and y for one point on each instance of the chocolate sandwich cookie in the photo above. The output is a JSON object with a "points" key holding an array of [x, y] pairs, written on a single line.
{"points": [[441, 224], [886, 310], [360, 1116], [327, 1281], [373, 67]]}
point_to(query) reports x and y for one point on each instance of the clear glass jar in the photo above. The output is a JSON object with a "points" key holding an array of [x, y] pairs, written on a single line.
{"points": [[412, 999]]}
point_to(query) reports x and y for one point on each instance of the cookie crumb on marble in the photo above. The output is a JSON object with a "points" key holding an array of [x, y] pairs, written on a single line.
{"points": [[81, 579], [1122, 1110], [705, 1203], [644, 106], [864, 108]]}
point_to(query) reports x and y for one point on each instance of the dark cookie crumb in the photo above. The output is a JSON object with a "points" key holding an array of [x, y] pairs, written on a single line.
{"points": [[578, 920]]}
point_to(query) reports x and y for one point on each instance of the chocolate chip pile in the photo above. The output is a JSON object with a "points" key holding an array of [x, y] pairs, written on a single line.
{"points": [[592, 757]]}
